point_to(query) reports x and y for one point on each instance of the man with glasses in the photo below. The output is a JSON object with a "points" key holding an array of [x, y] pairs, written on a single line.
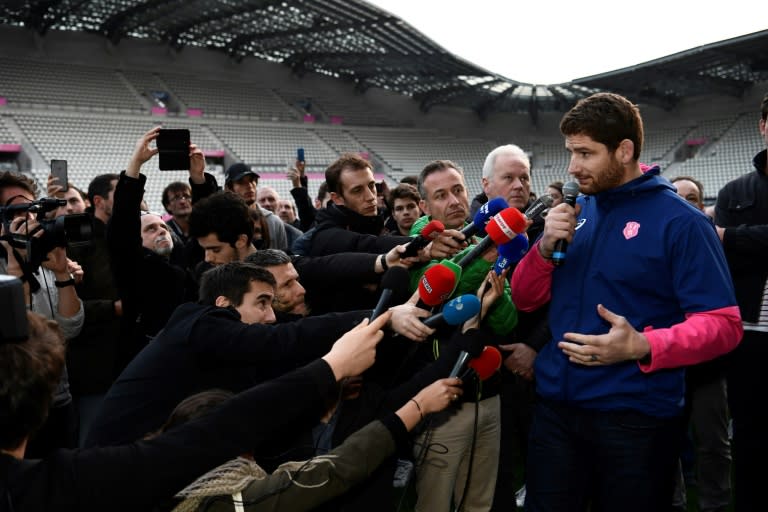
{"points": [[177, 200]]}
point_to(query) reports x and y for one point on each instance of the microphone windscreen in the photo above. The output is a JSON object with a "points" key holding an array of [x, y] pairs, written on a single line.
{"points": [[436, 285], [511, 252], [398, 280], [462, 308], [505, 225], [487, 363], [433, 226], [456, 269], [487, 211], [537, 208], [571, 189]]}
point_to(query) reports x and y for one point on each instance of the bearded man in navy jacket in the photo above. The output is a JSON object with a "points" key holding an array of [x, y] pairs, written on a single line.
{"points": [[644, 290]]}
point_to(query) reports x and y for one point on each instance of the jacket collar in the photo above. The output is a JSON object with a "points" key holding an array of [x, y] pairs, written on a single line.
{"points": [[335, 215]]}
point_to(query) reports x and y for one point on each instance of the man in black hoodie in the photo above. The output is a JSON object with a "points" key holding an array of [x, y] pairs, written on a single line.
{"points": [[350, 224]]}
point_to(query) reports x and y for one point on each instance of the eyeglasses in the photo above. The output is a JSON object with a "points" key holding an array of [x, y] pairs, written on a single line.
{"points": [[177, 198]]}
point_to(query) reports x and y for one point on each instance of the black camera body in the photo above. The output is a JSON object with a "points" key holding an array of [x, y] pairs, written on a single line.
{"points": [[13, 315], [63, 231]]}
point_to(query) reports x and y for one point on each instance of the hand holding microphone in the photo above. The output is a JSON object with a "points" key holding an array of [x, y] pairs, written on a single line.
{"points": [[428, 233], [445, 245], [455, 312], [510, 253], [559, 225], [570, 193]]}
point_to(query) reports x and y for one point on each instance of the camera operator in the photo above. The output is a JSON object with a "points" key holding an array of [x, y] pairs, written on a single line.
{"points": [[49, 291]]}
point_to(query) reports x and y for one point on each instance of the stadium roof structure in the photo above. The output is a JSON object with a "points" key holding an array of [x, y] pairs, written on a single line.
{"points": [[353, 40]]}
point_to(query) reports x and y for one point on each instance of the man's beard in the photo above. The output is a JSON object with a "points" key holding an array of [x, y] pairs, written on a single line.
{"points": [[164, 250], [611, 178]]}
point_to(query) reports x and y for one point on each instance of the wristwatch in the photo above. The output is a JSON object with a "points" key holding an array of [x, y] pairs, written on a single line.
{"points": [[64, 284]]}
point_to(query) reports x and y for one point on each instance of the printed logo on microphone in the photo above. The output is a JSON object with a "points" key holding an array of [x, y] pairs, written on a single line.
{"points": [[504, 226], [426, 284], [631, 229]]}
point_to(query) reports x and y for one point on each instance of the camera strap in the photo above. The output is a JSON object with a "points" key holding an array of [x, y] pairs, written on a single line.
{"points": [[27, 275]]}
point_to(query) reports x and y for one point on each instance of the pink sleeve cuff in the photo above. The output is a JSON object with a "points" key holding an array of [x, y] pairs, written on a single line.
{"points": [[531, 281], [701, 337]]}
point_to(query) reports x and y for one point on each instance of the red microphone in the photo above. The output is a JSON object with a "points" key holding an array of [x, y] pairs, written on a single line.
{"points": [[487, 363], [433, 227], [503, 227], [435, 286]]}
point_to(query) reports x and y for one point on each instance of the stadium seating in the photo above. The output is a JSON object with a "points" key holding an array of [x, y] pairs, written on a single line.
{"points": [[734, 143], [28, 83], [91, 116], [229, 98], [6, 137]]}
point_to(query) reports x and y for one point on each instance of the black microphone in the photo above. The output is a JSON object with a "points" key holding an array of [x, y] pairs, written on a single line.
{"points": [[471, 347], [484, 365], [537, 208], [394, 280], [433, 227], [570, 193]]}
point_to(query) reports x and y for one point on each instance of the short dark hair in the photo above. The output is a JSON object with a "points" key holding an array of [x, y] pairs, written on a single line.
{"points": [[433, 167], [266, 258], [607, 118], [193, 407], [82, 194], [410, 180], [403, 191], [764, 107], [13, 179], [172, 188], [223, 213], [231, 280], [345, 161], [322, 190], [557, 185], [101, 186], [29, 374]]}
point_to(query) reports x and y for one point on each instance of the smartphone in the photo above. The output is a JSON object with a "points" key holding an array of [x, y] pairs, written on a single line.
{"points": [[173, 146], [59, 170], [300, 154]]}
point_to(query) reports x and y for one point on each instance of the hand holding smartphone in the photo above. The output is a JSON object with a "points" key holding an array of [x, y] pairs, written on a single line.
{"points": [[59, 171], [173, 148]]}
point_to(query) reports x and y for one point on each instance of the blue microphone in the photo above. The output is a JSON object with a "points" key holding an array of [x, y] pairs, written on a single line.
{"points": [[510, 253], [483, 215], [456, 311]]}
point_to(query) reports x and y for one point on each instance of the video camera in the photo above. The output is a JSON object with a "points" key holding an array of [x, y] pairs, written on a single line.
{"points": [[63, 231], [13, 315]]}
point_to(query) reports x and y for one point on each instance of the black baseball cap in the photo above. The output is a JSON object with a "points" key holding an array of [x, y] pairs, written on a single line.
{"points": [[238, 171]]}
